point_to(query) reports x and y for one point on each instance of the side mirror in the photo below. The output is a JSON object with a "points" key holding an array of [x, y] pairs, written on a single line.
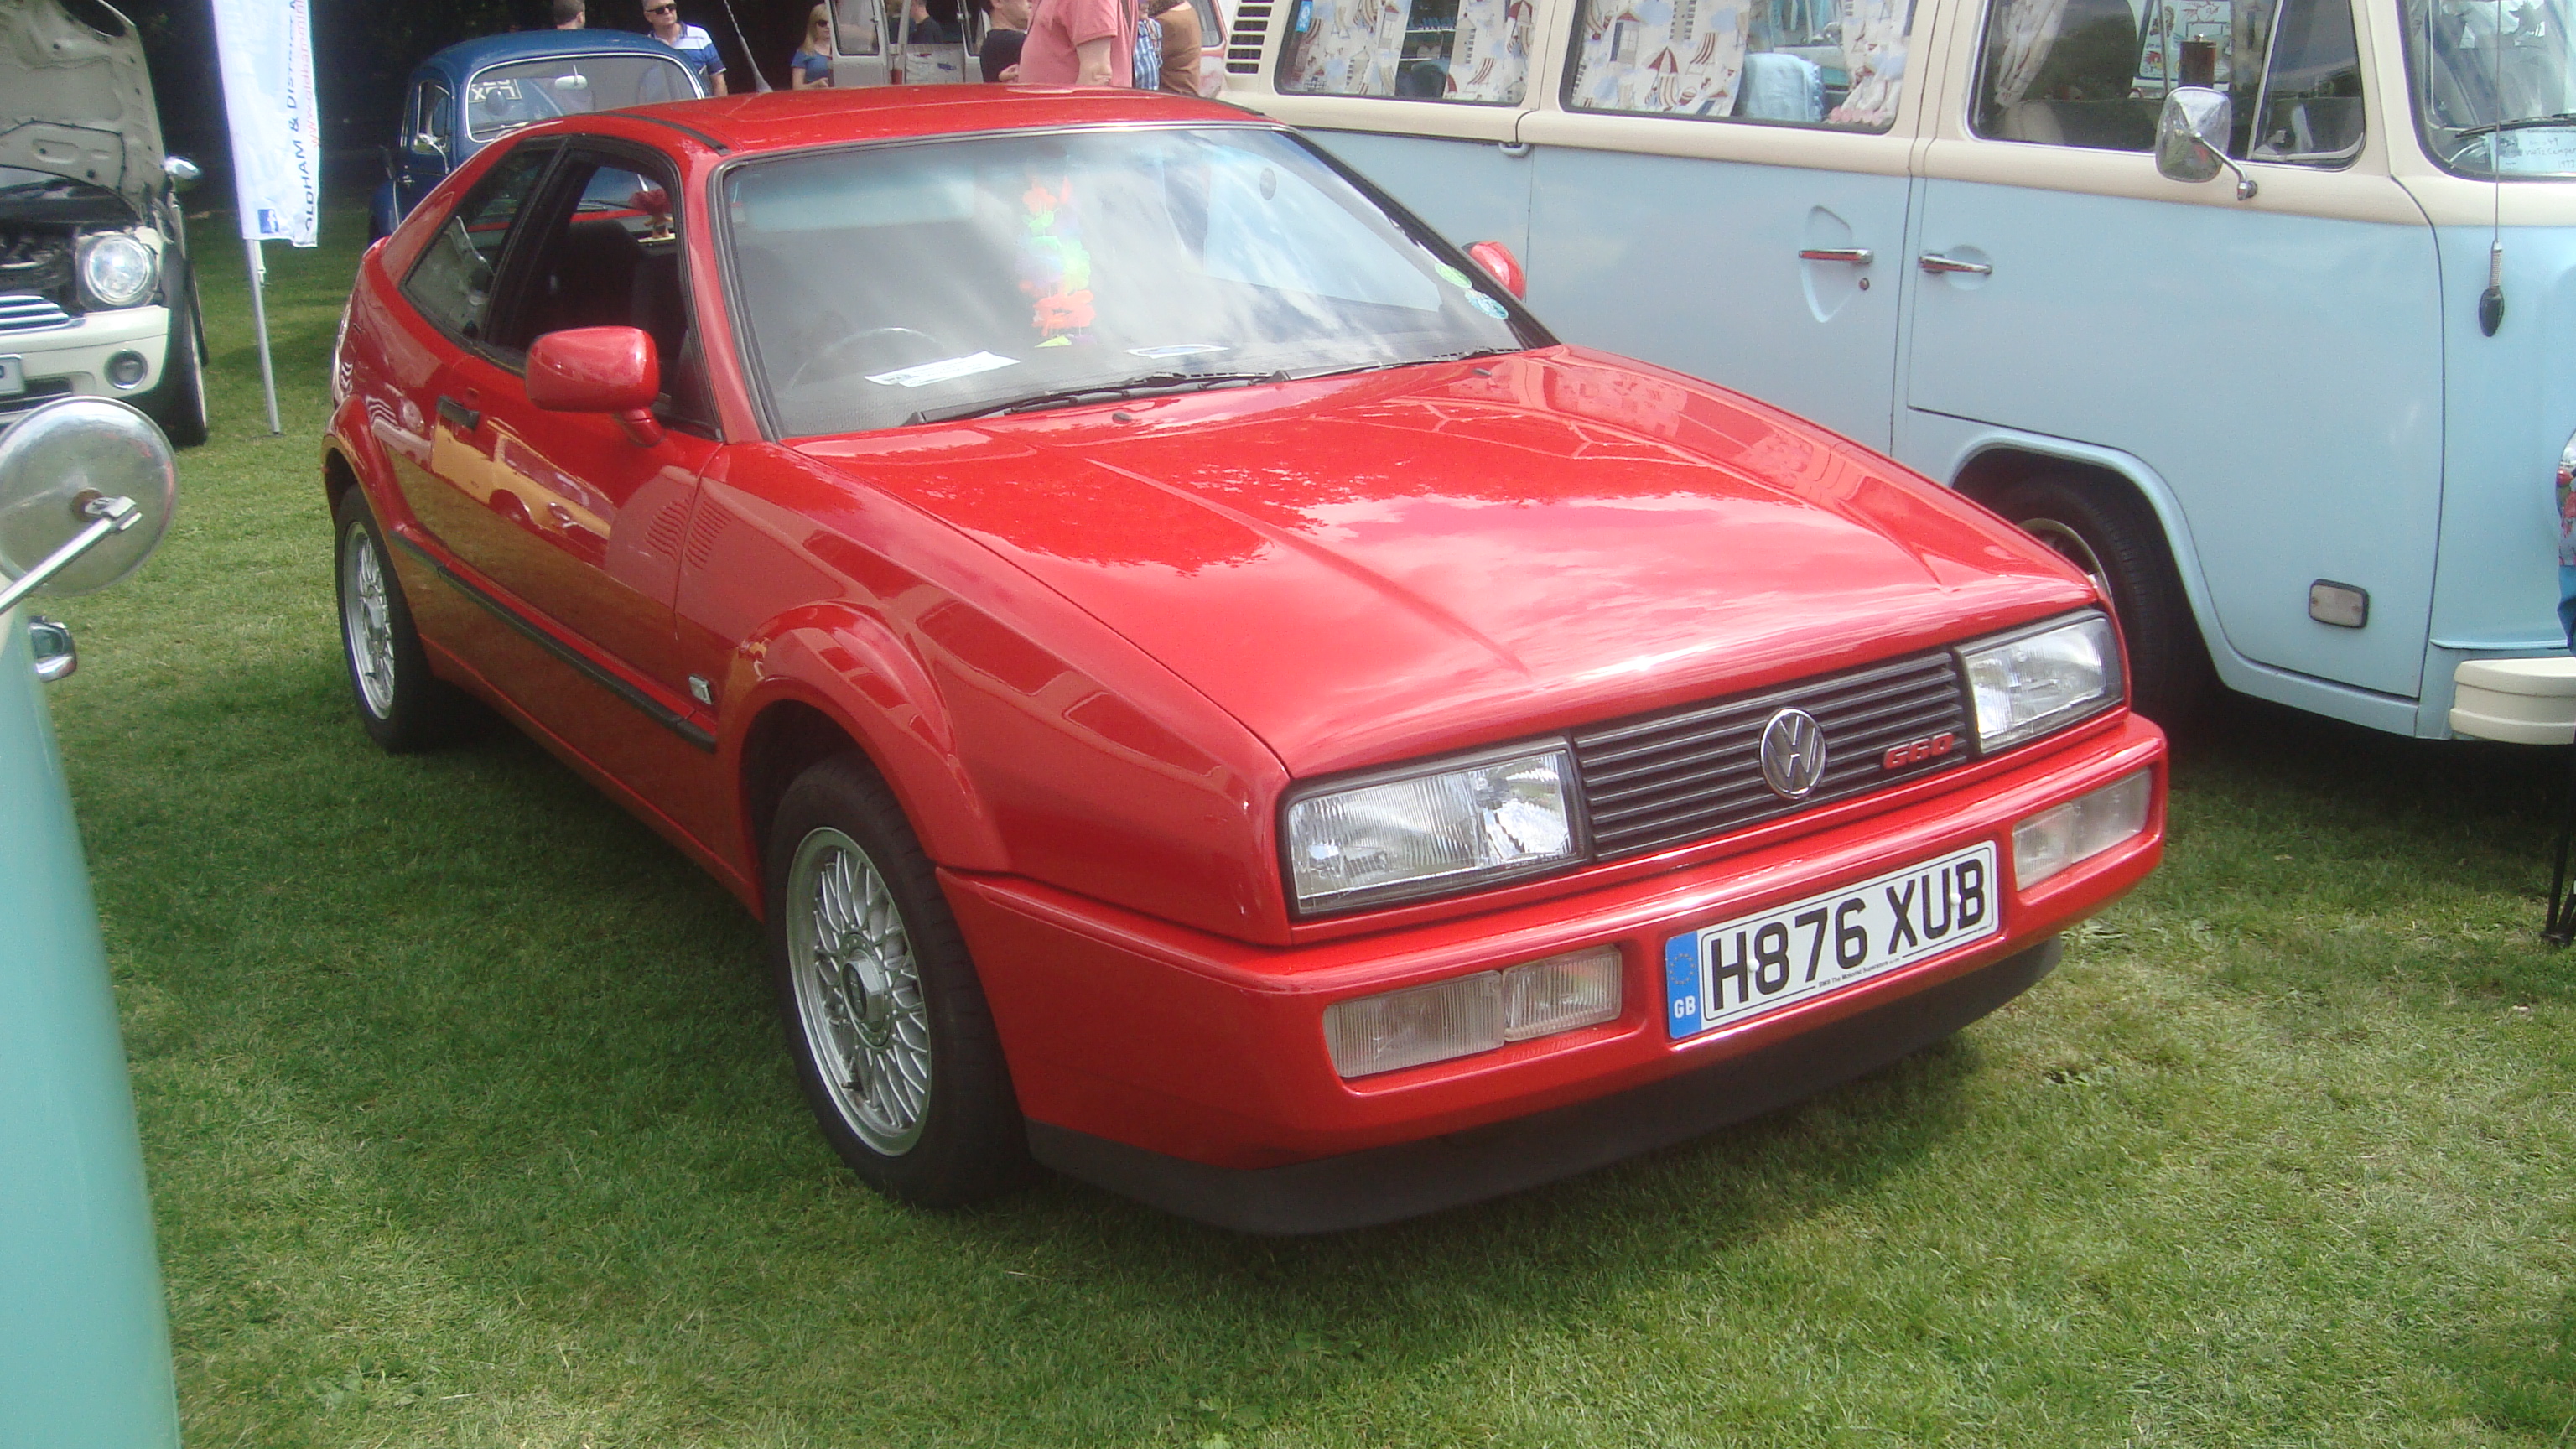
{"points": [[87, 486], [427, 147], [1501, 265], [599, 370], [2191, 138], [183, 173]]}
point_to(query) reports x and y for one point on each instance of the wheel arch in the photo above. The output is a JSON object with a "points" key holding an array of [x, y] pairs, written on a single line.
{"points": [[1995, 462], [829, 681]]}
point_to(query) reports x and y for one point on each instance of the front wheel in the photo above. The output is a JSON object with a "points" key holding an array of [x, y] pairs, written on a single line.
{"points": [[2114, 538], [892, 1039], [178, 401]]}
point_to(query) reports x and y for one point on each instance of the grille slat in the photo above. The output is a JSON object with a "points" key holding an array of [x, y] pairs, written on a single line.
{"points": [[1693, 772], [26, 312], [1243, 46]]}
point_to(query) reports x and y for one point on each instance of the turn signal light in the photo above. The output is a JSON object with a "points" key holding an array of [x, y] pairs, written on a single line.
{"points": [[1470, 1014], [2080, 829]]}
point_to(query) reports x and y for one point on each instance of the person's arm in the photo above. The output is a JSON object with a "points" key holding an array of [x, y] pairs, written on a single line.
{"points": [[715, 81], [1091, 62]]}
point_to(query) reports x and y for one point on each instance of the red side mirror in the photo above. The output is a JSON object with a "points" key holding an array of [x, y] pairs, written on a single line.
{"points": [[1501, 265], [599, 370]]}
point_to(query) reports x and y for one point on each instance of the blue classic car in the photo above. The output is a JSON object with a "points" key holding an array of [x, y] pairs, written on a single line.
{"points": [[476, 91], [86, 485]]}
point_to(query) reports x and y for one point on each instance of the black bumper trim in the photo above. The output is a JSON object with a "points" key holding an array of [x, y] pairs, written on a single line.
{"points": [[1408, 1179]]}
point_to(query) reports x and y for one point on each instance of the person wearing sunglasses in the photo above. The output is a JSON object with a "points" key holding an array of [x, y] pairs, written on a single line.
{"points": [[811, 65], [692, 42]]}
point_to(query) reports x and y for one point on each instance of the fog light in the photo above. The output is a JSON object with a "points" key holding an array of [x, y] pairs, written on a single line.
{"points": [[126, 369], [2080, 829], [1470, 1014]]}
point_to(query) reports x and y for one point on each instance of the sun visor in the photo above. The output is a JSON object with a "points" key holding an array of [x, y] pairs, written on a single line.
{"points": [[75, 99]]}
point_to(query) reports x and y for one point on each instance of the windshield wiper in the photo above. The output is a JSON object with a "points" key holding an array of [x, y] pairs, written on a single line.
{"points": [[1151, 384], [2522, 123]]}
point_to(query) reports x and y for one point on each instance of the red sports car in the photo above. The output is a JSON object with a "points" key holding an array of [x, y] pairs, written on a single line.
{"points": [[1206, 694]]}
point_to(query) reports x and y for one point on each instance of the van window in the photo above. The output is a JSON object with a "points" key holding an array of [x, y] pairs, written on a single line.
{"points": [[2094, 73], [2494, 84], [1473, 51], [1793, 62]]}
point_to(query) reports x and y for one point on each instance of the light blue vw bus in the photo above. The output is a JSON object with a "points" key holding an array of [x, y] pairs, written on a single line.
{"points": [[2254, 308]]}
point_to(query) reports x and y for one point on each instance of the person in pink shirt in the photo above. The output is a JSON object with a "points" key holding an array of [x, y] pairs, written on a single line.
{"points": [[1079, 43]]}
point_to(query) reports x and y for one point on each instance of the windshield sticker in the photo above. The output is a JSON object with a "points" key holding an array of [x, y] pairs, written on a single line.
{"points": [[1489, 306], [945, 370], [1177, 349], [1453, 276]]}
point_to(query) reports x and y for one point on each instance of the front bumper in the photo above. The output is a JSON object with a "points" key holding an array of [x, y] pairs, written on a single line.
{"points": [[1190, 1070], [2519, 701], [71, 361]]}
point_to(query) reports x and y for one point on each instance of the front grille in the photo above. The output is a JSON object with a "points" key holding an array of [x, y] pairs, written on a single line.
{"points": [[1243, 46], [1694, 772], [23, 312]]}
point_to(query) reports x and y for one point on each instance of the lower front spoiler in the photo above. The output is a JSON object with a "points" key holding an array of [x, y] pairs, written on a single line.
{"points": [[1408, 1179]]}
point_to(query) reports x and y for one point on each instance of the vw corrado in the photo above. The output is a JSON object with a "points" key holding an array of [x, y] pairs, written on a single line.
{"points": [[1203, 690]]}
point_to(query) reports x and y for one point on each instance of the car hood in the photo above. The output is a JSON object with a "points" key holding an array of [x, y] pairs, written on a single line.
{"points": [[1387, 565], [75, 100]]}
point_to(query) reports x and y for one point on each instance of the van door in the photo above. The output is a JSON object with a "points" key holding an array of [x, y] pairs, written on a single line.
{"points": [[1722, 188], [1422, 97], [2276, 362]]}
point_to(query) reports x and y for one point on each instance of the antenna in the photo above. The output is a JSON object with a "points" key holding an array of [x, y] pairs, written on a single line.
{"points": [[2491, 301], [759, 82]]}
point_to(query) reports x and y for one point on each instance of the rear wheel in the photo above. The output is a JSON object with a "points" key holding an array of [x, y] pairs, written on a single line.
{"points": [[885, 1018], [2112, 536], [403, 706]]}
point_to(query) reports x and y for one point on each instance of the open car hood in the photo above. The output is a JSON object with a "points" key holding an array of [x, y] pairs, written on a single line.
{"points": [[1368, 567], [75, 100]]}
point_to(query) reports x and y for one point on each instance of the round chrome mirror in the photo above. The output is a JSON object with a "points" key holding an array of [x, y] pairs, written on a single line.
{"points": [[82, 467]]}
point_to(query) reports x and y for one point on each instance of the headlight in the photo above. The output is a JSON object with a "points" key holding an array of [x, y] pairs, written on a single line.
{"points": [[1429, 834], [2040, 680], [117, 270]]}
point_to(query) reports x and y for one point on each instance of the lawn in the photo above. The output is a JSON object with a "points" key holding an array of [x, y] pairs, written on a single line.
{"points": [[469, 1124]]}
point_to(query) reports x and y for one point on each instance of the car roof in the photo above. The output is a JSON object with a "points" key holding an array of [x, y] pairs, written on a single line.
{"points": [[468, 56], [786, 120]]}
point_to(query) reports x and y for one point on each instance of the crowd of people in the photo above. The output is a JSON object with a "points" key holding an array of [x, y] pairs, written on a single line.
{"points": [[1148, 44]]}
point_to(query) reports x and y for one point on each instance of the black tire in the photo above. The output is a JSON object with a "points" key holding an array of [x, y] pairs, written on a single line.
{"points": [[403, 706], [884, 1016], [178, 402], [2110, 534]]}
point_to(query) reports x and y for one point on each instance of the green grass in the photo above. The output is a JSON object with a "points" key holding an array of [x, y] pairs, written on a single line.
{"points": [[468, 1122]]}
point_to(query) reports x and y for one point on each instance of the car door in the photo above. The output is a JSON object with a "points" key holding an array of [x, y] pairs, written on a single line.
{"points": [[428, 144], [1722, 188], [2275, 361]]}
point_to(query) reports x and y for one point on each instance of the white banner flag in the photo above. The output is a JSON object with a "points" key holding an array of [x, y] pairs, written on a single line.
{"points": [[267, 52]]}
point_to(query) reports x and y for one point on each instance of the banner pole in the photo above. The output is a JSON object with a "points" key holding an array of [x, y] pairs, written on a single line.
{"points": [[259, 319]]}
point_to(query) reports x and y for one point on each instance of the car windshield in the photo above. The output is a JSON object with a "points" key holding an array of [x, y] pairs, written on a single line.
{"points": [[502, 98], [922, 282], [2495, 85]]}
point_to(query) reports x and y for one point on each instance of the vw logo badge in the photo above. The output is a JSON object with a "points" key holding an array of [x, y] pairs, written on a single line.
{"points": [[1793, 753]]}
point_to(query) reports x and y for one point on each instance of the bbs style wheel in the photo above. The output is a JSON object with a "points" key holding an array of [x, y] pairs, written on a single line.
{"points": [[884, 1016], [401, 704]]}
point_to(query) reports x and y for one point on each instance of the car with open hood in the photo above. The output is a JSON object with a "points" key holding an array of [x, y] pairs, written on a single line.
{"points": [[97, 298], [1204, 691]]}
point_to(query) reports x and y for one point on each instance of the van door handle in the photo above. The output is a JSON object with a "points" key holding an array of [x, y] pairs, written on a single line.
{"points": [[1857, 256], [1514, 149], [1936, 264], [466, 419]]}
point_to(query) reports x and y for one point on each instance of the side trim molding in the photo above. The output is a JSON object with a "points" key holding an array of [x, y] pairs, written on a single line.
{"points": [[651, 708]]}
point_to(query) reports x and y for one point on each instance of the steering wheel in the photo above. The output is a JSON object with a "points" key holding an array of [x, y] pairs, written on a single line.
{"points": [[839, 357]]}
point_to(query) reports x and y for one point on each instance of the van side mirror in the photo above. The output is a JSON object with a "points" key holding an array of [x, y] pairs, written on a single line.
{"points": [[1501, 265], [426, 147], [599, 370], [2191, 138], [86, 488]]}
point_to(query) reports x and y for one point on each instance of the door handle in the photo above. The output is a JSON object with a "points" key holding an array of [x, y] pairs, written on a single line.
{"points": [[1936, 264], [466, 419], [1857, 256], [1513, 149]]}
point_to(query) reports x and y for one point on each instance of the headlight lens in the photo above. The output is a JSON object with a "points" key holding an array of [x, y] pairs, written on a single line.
{"points": [[1432, 833], [117, 269], [2036, 682]]}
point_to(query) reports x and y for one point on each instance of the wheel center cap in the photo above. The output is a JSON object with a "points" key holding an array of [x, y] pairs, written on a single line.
{"points": [[869, 993]]}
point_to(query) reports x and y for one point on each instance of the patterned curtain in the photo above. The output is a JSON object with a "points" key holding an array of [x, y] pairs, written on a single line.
{"points": [[2027, 31]]}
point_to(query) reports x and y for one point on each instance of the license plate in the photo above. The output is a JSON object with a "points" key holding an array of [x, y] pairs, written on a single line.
{"points": [[13, 376], [1732, 972]]}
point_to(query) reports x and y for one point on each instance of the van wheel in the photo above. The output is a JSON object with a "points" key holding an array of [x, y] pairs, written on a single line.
{"points": [[2114, 538], [885, 1018]]}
